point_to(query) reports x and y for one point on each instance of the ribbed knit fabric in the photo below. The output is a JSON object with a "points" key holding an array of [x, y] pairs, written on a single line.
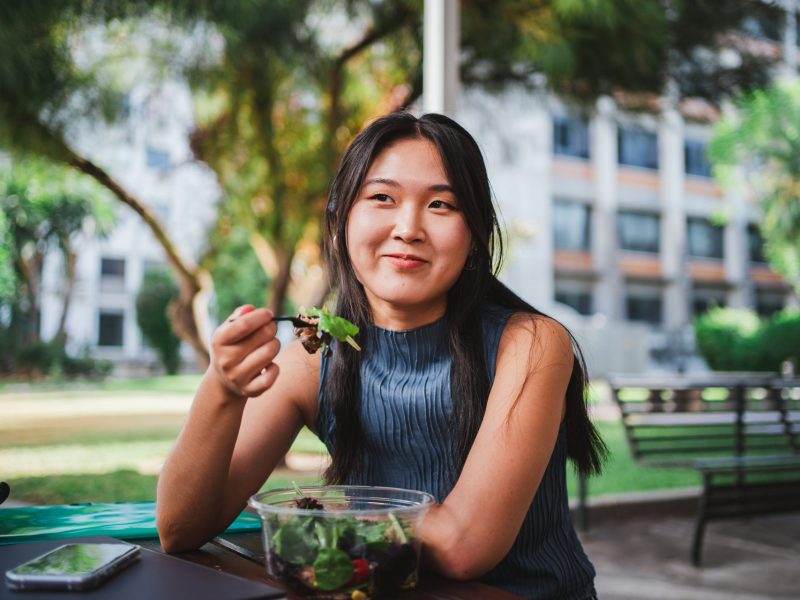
{"points": [[405, 410]]}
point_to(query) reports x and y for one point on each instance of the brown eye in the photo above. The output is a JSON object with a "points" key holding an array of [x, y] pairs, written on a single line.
{"points": [[442, 204]]}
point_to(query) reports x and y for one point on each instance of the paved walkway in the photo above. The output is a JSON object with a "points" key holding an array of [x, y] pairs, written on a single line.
{"points": [[646, 557]]}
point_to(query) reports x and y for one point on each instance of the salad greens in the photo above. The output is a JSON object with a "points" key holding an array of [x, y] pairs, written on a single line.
{"points": [[341, 557], [337, 327]]}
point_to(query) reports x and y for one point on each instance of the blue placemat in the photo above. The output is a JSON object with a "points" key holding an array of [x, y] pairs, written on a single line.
{"points": [[122, 520]]}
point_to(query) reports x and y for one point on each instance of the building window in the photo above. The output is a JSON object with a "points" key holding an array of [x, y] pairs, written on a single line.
{"points": [[755, 244], [637, 147], [768, 302], [158, 159], [704, 298], [571, 225], [580, 300], [695, 158], [703, 239], [110, 329], [571, 136], [644, 305], [639, 232], [112, 274], [112, 267]]}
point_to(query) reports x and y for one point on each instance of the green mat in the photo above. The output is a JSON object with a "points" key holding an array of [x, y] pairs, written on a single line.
{"points": [[123, 520]]}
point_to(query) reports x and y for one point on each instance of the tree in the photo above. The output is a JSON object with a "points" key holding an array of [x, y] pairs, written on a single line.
{"points": [[585, 49], [279, 95], [44, 208], [158, 291], [278, 105], [762, 137], [43, 91]]}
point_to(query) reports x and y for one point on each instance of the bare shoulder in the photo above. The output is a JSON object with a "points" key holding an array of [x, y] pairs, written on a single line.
{"points": [[529, 336]]}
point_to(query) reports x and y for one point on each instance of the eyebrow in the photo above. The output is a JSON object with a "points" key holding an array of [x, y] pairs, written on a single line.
{"points": [[437, 187]]}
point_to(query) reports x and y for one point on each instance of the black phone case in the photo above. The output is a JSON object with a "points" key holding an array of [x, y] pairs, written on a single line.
{"points": [[154, 576], [91, 580]]}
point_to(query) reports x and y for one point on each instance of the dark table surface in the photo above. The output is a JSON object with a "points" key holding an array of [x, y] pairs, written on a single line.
{"points": [[216, 556]]}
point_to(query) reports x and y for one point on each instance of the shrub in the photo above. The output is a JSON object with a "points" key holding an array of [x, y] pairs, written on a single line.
{"points": [[737, 339], [152, 304], [727, 338], [781, 339], [50, 359]]}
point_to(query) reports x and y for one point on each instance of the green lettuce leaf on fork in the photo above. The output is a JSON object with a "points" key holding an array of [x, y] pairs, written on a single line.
{"points": [[338, 327]]}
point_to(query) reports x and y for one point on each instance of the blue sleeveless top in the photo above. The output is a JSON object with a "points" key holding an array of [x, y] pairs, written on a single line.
{"points": [[405, 411]]}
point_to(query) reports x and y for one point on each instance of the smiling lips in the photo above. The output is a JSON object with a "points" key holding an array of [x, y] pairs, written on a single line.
{"points": [[405, 261]]}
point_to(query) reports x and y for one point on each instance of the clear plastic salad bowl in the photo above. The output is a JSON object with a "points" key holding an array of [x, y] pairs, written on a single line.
{"points": [[360, 544]]}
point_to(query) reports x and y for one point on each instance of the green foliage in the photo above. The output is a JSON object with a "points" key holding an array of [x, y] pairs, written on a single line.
{"points": [[44, 209], [781, 339], [152, 305], [585, 48], [237, 274], [40, 359], [43, 89], [762, 138], [737, 339]]}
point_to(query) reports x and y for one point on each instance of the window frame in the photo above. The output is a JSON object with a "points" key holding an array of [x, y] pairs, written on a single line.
{"points": [[576, 129], [585, 209], [106, 314], [622, 215], [635, 135]]}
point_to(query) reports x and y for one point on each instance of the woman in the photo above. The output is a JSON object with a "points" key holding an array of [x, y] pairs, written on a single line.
{"points": [[462, 389]]}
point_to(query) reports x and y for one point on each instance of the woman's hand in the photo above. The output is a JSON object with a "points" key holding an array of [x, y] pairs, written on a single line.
{"points": [[242, 351]]}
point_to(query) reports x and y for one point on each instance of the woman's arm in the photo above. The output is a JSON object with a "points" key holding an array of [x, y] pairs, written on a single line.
{"points": [[476, 525], [243, 420]]}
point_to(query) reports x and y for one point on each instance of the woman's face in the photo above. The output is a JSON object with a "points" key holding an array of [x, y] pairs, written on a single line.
{"points": [[406, 235]]}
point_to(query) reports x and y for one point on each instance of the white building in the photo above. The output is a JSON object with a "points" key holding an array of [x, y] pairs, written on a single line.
{"points": [[148, 154], [617, 216]]}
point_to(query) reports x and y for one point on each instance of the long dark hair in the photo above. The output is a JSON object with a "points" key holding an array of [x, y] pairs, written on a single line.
{"points": [[469, 375]]}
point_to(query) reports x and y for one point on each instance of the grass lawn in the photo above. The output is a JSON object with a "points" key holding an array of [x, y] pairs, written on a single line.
{"points": [[105, 443]]}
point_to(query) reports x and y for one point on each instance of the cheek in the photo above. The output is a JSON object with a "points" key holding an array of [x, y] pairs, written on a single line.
{"points": [[359, 240], [458, 245]]}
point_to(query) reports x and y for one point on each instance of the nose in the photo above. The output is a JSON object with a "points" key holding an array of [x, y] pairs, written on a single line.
{"points": [[409, 226]]}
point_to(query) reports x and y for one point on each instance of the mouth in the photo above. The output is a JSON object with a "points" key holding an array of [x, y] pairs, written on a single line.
{"points": [[406, 261]]}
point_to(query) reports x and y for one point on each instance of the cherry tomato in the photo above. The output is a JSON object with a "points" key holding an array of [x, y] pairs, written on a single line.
{"points": [[360, 572]]}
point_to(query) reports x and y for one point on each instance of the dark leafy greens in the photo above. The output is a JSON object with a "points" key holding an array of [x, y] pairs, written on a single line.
{"points": [[322, 328], [341, 557]]}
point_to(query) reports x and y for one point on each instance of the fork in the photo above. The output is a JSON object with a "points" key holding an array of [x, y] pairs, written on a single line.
{"points": [[296, 321]]}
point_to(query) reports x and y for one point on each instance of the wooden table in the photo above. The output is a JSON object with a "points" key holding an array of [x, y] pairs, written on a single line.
{"points": [[431, 587]]}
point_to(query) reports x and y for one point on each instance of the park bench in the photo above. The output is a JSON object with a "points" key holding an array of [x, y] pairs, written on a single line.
{"points": [[740, 432]]}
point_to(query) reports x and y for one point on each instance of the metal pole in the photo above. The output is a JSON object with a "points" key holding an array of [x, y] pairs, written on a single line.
{"points": [[440, 56]]}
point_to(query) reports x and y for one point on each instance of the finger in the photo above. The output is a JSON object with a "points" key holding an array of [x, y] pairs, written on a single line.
{"points": [[240, 349], [243, 325], [262, 382], [240, 363], [253, 363], [241, 310]]}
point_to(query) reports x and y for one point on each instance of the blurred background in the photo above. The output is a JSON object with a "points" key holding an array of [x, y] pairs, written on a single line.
{"points": [[162, 162]]}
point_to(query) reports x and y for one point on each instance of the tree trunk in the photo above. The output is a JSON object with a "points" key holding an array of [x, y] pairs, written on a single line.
{"points": [[280, 284], [189, 318], [69, 268], [29, 272]]}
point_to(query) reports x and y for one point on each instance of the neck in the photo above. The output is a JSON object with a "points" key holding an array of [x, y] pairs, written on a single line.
{"points": [[402, 318]]}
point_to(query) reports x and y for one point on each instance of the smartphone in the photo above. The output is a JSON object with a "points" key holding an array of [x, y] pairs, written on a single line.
{"points": [[73, 566]]}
